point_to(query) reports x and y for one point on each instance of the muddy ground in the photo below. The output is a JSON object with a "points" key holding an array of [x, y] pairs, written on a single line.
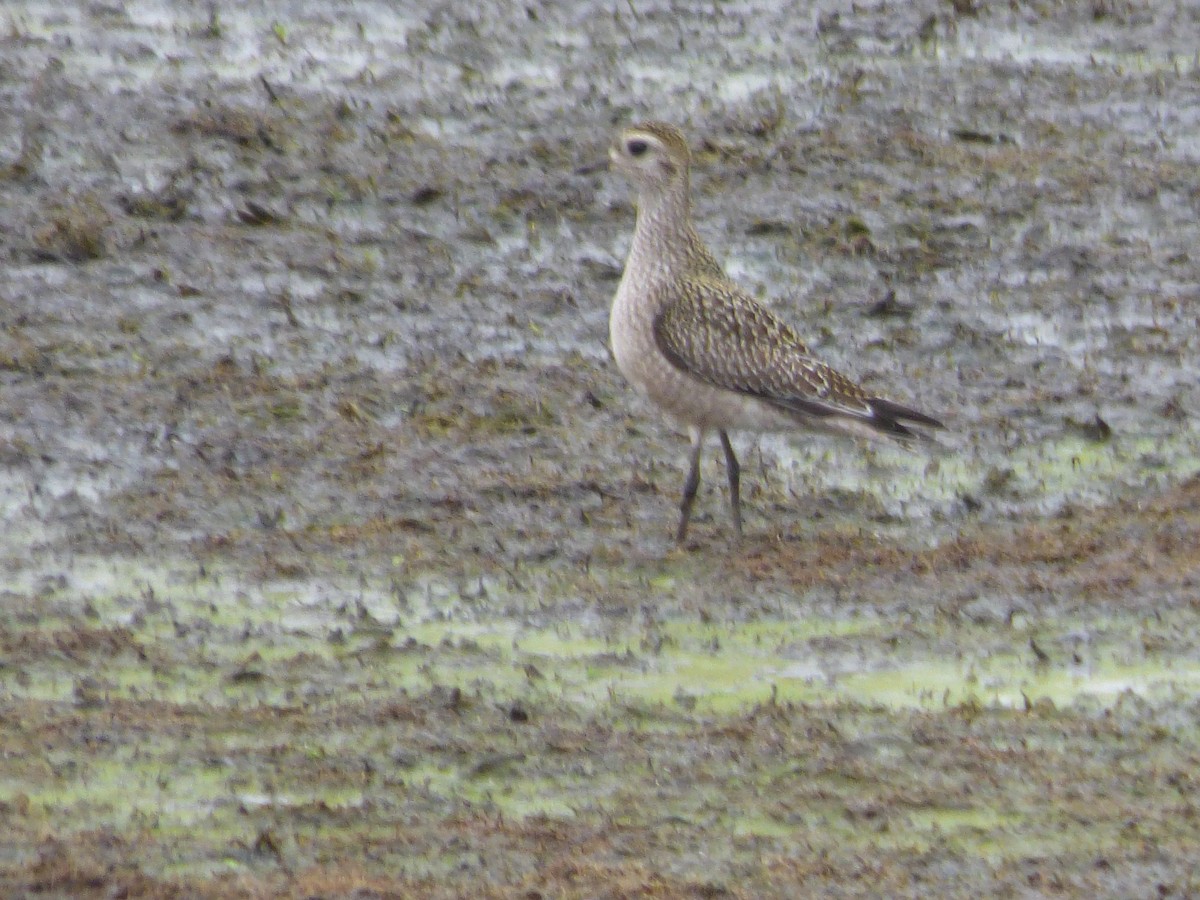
{"points": [[338, 555]]}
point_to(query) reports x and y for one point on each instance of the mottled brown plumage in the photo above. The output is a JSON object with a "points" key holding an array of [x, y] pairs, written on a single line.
{"points": [[710, 330], [704, 350]]}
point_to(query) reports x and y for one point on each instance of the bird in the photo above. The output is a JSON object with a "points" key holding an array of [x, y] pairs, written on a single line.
{"points": [[702, 349]]}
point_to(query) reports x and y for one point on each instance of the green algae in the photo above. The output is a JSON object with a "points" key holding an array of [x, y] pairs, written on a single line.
{"points": [[1068, 469], [203, 644], [278, 650]]}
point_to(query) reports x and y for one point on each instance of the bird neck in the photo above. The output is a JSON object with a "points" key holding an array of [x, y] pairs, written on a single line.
{"points": [[663, 232]]}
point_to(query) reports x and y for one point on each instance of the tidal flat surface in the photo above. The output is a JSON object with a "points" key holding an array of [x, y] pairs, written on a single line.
{"points": [[337, 554]]}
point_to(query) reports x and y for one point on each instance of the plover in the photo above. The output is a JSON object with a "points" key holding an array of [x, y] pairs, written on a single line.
{"points": [[703, 350]]}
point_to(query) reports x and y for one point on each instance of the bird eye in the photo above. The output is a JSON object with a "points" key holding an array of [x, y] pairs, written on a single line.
{"points": [[637, 147]]}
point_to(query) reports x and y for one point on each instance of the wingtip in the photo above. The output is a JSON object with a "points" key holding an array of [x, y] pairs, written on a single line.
{"points": [[894, 419]]}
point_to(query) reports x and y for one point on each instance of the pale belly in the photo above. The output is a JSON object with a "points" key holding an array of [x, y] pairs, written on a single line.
{"points": [[685, 398]]}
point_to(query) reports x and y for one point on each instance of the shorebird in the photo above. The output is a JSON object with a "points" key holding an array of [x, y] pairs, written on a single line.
{"points": [[703, 350]]}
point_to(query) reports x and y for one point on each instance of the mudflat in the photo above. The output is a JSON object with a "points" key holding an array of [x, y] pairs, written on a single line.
{"points": [[338, 556]]}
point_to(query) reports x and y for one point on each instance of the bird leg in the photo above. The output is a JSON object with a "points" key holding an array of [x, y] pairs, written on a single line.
{"points": [[692, 484], [734, 471]]}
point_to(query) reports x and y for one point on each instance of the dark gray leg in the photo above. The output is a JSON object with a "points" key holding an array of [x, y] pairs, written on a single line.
{"points": [[691, 485], [734, 471]]}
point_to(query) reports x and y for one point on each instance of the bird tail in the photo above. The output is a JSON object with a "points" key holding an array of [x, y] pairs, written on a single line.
{"points": [[894, 419]]}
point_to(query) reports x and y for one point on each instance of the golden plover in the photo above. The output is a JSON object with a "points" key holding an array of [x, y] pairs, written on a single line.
{"points": [[702, 349]]}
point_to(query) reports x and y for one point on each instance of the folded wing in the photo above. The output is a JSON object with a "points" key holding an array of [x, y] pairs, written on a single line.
{"points": [[722, 336]]}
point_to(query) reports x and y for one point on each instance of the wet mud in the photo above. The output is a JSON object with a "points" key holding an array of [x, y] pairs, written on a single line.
{"points": [[338, 555]]}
